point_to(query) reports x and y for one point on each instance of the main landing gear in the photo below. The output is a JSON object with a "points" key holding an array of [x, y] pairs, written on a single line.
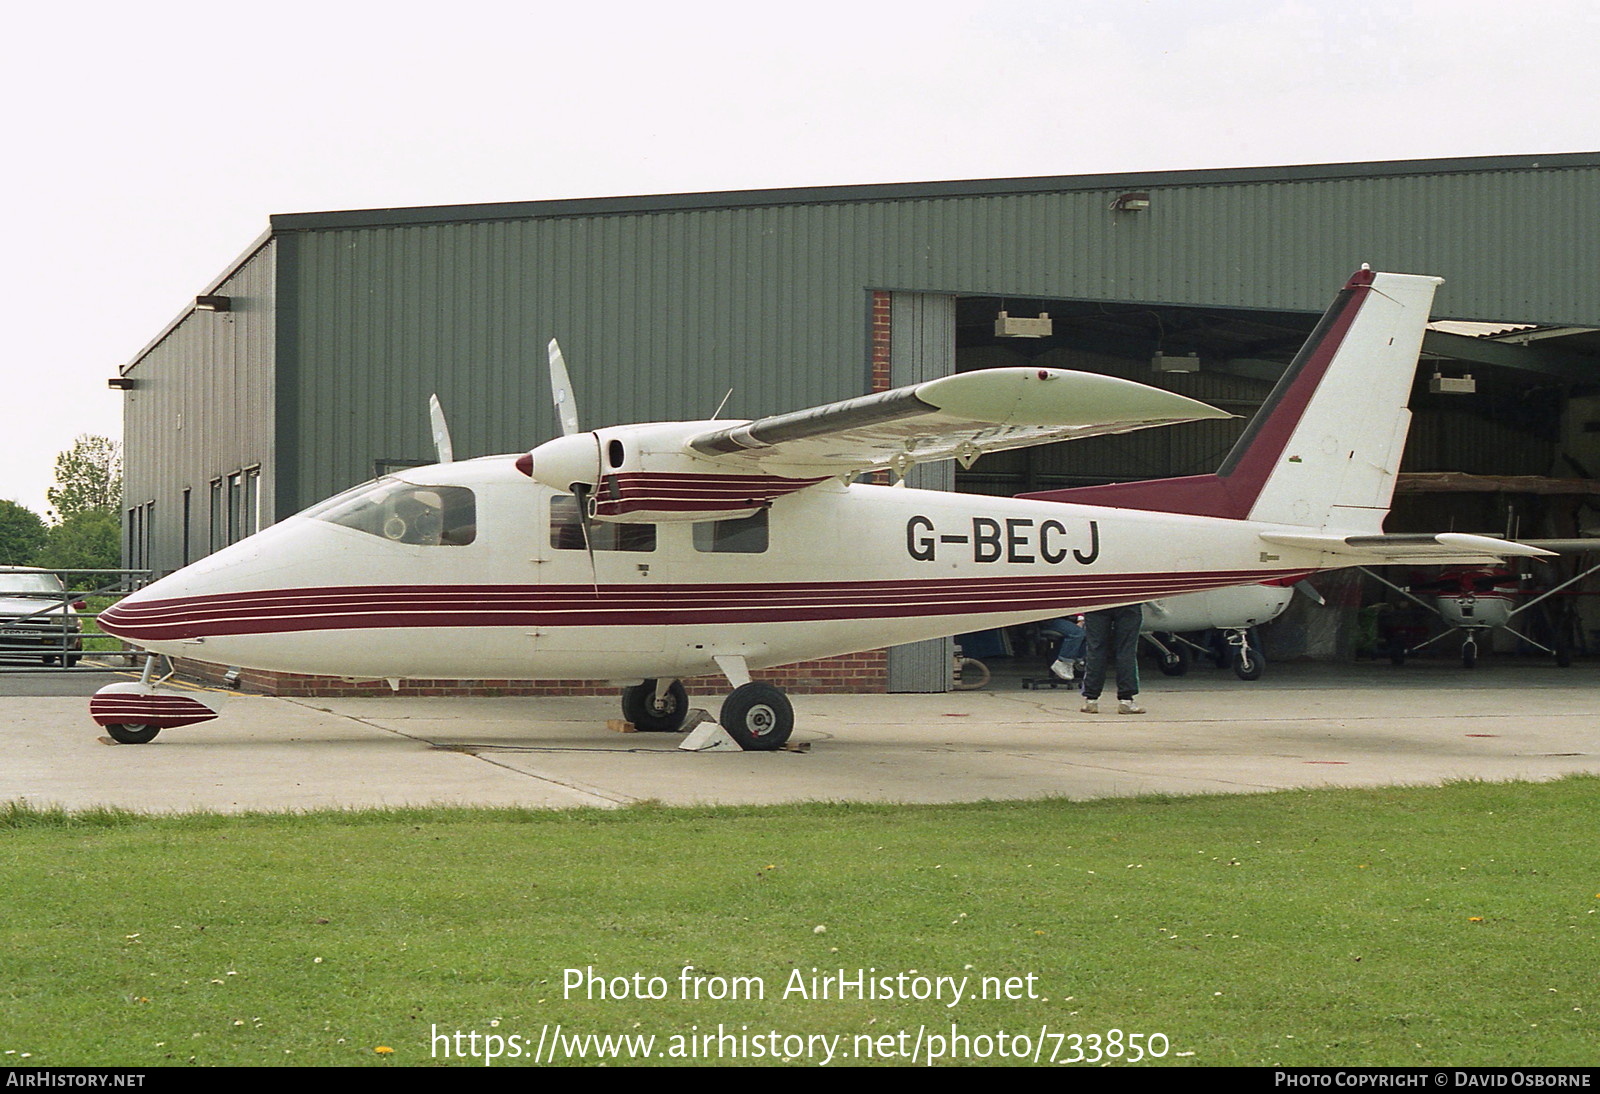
{"points": [[759, 717]]}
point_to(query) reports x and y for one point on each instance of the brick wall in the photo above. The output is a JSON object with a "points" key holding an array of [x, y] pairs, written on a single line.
{"points": [[880, 341]]}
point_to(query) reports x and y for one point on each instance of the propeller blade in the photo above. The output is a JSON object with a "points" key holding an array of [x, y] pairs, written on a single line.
{"points": [[561, 388], [580, 494], [1305, 588], [441, 431]]}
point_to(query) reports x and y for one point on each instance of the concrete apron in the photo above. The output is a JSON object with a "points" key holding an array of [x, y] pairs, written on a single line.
{"points": [[1302, 725]]}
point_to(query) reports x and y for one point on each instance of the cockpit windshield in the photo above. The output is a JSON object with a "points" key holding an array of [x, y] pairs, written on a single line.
{"points": [[424, 516]]}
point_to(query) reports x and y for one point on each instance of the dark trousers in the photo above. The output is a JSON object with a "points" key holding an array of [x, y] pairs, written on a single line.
{"points": [[1113, 633]]}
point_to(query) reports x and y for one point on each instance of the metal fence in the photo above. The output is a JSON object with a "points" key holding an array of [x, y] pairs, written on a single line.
{"points": [[55, 631]]}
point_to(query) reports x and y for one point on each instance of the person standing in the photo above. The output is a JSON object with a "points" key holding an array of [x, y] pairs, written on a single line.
{"points": [[1112, 633]]}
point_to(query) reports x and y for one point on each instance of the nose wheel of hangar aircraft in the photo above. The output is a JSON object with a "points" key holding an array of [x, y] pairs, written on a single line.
{"points": [[758, 717], [656, 706]]}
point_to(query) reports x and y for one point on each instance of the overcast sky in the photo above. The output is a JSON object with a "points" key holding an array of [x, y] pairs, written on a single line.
{"points": [[150, 142]]}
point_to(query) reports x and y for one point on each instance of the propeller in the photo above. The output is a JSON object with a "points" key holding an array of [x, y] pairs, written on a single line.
{"points": [[561, 387], [441, 431], [1306, 589], [576, 456]]}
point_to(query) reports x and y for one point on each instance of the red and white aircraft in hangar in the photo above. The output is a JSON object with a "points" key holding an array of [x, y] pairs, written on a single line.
{"points": [[649, 553]]}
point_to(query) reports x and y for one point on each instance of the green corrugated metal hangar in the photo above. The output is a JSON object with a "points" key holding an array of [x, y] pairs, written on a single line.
{"points": [[306, 367]]}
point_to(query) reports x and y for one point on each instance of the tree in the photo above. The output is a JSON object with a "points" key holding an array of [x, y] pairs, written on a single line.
{"points": [[88, 477], [90, 540], [21, 534]]}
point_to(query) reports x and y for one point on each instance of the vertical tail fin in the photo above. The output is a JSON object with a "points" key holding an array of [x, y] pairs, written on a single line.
{"points": [[1325, 447]]}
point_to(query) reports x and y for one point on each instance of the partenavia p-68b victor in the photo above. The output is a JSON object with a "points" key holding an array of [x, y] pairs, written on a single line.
{"points": [[649, 553]]}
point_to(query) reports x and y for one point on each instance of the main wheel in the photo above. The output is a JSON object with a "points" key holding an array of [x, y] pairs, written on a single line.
{"points": [[133, 734], [1248, 664], [1174, 655], [640, 707], [758, 717]]}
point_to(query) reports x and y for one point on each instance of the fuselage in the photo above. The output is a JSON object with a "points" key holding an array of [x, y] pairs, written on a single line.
{"points": [[471, 570]]}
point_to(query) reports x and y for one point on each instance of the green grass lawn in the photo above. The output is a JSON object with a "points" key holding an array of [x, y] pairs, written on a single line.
{"points": [[1449, 926]]}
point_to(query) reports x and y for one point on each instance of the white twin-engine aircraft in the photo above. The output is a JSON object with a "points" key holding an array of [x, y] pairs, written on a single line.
{"points": [[649, 553]]}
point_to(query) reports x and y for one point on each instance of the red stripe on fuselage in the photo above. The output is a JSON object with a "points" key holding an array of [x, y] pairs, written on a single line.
{"points": [[414, 606]]}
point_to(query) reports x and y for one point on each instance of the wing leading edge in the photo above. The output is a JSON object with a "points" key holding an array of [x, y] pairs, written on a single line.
{"points": [[954, 417]]}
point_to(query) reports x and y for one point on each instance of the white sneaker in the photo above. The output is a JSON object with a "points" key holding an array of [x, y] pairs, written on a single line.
{"points": [[1090, 706], [1128, 706], [1063, 670]]}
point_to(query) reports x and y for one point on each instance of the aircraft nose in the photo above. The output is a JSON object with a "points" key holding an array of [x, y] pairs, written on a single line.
{"points": [[175, 606], [129, 617]]}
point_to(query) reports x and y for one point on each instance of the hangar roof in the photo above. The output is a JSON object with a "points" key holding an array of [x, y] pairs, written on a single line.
{"points": [[814, 195]]}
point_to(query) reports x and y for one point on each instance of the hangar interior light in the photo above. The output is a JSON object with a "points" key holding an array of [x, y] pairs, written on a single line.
{"points": [[1016, 326], [1163, 362], [1452, 385]]}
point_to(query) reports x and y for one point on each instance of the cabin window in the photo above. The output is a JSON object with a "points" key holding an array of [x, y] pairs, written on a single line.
{"points": [[745, 536], [566, 530], [422, 516]]}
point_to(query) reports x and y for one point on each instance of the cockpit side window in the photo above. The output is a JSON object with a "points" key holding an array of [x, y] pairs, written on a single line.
{"points": [[567, 531], [422, 516]]}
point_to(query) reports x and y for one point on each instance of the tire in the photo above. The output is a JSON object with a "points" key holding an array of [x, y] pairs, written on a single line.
{"points": [[1563, 657], [1248, 664], [758, 717], [133, 734], [1469, 654], [971, 674], [639, 707], [1397, 655]]}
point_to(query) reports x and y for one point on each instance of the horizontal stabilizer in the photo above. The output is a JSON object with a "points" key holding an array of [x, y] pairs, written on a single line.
{"points": [[1566, 546], [1443, 548]]}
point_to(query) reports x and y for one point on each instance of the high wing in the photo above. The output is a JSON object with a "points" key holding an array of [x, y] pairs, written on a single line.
{"points": [[954, 417]]}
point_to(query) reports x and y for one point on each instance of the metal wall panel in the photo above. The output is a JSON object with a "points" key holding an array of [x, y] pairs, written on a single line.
{"points": [[202, 409], [922, 346], [661, 312]]}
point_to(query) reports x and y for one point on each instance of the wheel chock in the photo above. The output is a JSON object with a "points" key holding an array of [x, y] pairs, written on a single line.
{"points": [[709, 737]]}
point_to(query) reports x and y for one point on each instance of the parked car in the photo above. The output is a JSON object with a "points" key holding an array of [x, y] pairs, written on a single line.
{"points": [[37, 618]]}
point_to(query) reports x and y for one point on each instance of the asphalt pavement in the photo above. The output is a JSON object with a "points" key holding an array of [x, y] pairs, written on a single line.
{"points": [[1302, 725]]}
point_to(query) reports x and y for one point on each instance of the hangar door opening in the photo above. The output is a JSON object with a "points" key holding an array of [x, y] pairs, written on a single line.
{"points": [[1513, 452]]}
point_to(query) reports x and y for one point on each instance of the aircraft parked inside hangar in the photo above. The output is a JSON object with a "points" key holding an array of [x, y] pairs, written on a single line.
{"points": [[650, 553], [1232, 613]]}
